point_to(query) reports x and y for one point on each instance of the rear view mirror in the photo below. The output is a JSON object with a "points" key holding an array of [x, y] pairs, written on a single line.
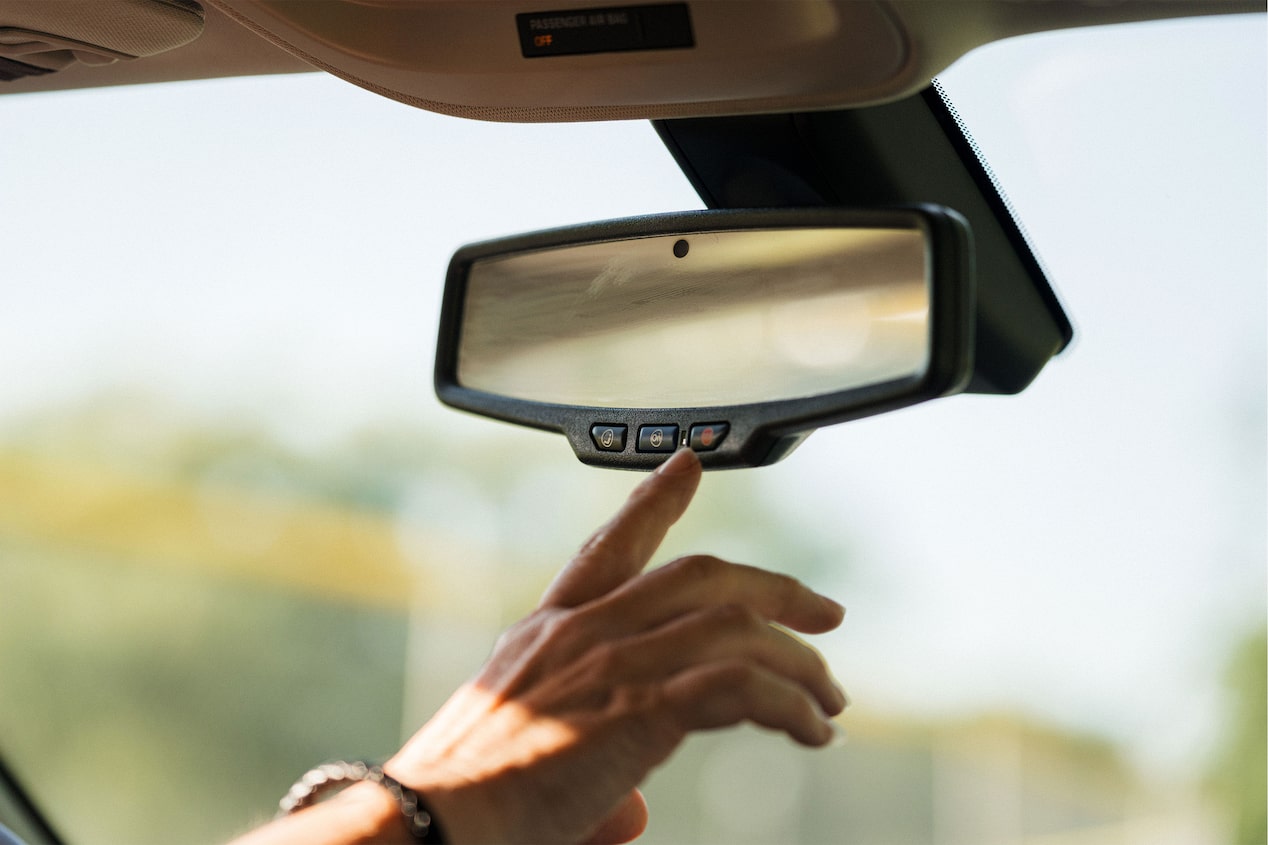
{"points": [[731, 333]]}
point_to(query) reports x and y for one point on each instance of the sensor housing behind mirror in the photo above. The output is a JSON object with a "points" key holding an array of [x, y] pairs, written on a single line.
{"points": [[734, 333]]}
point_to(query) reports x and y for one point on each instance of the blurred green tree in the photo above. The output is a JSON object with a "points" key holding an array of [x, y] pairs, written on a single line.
{"points": [[1240, 774]]}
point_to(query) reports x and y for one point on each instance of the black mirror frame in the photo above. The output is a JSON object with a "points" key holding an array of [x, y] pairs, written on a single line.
{"points": [[760, 433]]}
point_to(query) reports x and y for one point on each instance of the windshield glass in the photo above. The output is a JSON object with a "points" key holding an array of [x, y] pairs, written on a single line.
{"points": [[239, 536]]}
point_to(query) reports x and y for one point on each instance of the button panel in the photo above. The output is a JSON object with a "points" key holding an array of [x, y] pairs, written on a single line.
{"points": [[705, 437], [657, 438], [608, 438]]}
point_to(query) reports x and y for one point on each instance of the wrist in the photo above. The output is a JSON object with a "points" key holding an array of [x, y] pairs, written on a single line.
{"points": [[362, 814], [460, 807], [369, 815], [363, 808]]}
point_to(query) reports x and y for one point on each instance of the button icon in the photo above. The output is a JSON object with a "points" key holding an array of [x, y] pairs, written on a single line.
{"points": [[705, 437], [608, 437], [657, 438]]}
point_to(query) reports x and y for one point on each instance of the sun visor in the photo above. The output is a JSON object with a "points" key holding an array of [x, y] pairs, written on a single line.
{"points": [[556, 60], [38, 37]]}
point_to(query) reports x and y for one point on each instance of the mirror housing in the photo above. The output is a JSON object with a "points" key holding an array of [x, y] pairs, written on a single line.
{"points": [[735, 333]]}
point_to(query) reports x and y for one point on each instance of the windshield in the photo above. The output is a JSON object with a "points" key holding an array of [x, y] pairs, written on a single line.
{"points": [[238, 534]]}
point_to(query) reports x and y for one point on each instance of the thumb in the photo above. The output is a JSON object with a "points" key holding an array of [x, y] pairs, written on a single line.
{"points": [[627, 822]]}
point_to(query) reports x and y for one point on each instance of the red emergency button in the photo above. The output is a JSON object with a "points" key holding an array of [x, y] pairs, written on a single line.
{"points": [[706, 437]]}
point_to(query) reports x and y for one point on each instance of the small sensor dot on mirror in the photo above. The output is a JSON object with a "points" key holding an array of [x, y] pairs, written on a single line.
{"points": [[680, 249]]}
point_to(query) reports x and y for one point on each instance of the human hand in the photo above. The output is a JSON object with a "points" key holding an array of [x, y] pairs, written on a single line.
{"points": [[585, 696]]}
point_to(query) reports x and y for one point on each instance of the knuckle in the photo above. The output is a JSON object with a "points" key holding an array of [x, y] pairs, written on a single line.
{"points": [[729, 690], [735, 619], [786, 589], [659, 728], [786, 584], [698, 567], [638, 700], [523, 631], [608, 660], [735, 675], [561, 630]]}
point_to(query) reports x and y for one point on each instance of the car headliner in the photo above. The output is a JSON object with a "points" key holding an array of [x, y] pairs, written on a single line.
{"points": [[464, 59]]}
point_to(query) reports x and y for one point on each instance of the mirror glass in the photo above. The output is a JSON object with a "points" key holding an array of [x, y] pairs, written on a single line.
{"points": [[699, 320]]}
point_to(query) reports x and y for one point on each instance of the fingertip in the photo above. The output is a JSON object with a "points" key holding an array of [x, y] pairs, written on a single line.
{"points": [[839, 736], [678, 477], [829, 734], [817, 734], [816, 617], [682, 462], [841, 700]]}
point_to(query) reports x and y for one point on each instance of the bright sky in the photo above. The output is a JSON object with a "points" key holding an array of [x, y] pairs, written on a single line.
{"points": [[1087, 550]]}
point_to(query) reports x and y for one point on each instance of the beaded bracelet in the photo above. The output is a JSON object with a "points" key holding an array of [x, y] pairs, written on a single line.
{"points": [[316, 782]]}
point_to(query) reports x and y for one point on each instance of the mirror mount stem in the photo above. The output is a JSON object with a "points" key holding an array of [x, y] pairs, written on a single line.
{"points": [[910, 151]]}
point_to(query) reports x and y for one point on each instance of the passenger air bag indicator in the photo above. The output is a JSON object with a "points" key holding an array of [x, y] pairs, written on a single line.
{"points": [[575, 32]]}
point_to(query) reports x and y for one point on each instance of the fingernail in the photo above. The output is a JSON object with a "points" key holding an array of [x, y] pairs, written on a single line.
{"points": [[840, 608], [839, 737], [841, 700]]}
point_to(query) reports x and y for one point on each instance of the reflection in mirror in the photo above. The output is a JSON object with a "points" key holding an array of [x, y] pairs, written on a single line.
{"points": [[707, 319]]}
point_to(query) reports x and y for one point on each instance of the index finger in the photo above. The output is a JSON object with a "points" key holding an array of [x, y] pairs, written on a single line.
{"points": [[622, 547]]}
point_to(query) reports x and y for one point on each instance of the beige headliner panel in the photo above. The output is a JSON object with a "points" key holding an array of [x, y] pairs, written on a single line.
{"points": [[464, 58]]}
